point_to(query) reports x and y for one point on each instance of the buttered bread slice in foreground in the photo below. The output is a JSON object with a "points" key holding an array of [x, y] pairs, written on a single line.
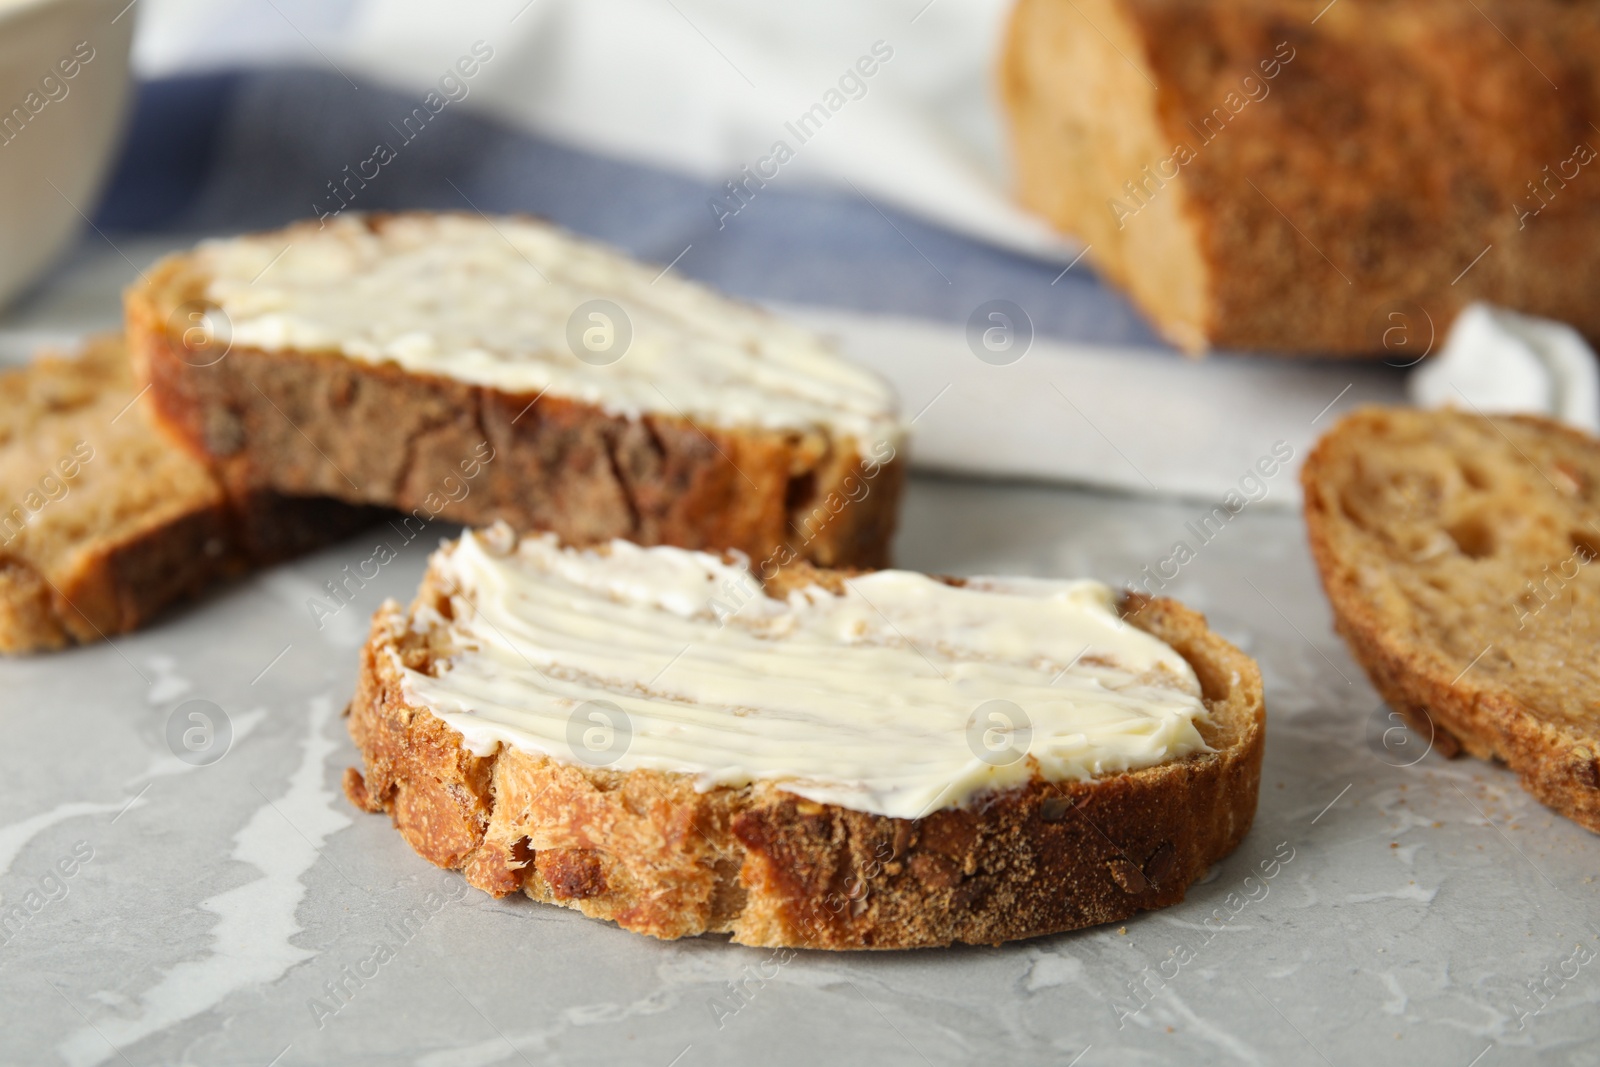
{"points": [[370, 357], [822, 759]]}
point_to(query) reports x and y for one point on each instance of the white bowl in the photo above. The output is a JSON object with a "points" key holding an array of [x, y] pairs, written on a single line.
{"points": [[60, 116]]}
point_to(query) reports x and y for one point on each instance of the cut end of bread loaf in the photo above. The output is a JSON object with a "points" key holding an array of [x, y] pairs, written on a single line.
{"points": [[1459, 553], [1265, 175], [649, 851], [1083, 104]]}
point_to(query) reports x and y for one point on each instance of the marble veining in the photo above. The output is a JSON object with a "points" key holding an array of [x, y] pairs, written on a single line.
{"points": [[251, 940]]}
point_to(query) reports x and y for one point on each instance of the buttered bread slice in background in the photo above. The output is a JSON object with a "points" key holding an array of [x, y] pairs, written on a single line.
{"points": [[883, 760], [103, 522], [368, 358]]}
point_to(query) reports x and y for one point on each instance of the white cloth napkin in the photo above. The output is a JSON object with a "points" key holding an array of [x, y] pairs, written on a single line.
{"points": [[704, 87], [1496, 361]]}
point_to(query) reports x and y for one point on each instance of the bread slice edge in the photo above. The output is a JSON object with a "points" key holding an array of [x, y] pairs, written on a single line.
{"points": [[193, 536], [1451, 713], [645, 850]]}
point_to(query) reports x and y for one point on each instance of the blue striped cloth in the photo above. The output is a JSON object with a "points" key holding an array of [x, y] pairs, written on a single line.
{"points": [[258, 148]]}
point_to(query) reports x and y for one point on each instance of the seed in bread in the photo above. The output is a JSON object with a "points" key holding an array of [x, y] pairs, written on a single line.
{"points": [[366, 357], [104, 523], [1459, 553], [827, 759]]}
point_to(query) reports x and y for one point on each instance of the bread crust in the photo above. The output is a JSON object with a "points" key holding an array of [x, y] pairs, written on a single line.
{"points": [[1398, 145], [117, 585], [1458, 710], [318, 423], [645, 850], [157, 543]]}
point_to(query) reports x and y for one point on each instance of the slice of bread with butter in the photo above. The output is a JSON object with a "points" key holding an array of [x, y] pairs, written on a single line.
{"points": [[374, 358], [689, 743]]}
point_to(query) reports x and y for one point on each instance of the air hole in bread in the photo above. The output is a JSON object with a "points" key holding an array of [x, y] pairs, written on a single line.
{"points": [[1473, 536], [1474, 476], [1586, 544], [798, 494]]}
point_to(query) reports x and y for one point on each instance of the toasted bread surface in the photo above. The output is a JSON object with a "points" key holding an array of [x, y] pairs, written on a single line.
{"points": [[1291, 175], [1459, 554], [314, 422], [104, 522], [647, 850]]}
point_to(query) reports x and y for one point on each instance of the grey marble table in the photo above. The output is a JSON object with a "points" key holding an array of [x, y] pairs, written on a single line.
{"points": [[1388, 906]]}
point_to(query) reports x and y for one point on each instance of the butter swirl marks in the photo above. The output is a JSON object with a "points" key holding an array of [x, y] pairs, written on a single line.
{"points": [[521, 306], [882, 699]]}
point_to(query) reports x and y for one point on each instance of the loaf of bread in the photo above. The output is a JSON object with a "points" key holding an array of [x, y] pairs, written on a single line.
{"points": [[483, 369], [684, 744], [1459, 553], [104, 523], [1307, 176]]}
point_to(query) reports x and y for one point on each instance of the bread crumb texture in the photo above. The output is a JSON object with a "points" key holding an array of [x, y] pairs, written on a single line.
{"points": [[103, 522], [1459, 553]]}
